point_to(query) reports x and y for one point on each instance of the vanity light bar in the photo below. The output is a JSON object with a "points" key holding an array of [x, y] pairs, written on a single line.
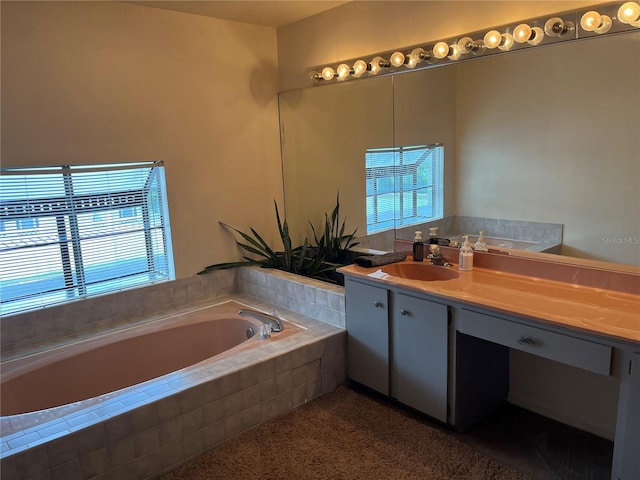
{"points": [[607, 18]]}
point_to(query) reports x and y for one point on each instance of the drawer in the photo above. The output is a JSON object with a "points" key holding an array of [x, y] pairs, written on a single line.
{"points": [[584, 354]]}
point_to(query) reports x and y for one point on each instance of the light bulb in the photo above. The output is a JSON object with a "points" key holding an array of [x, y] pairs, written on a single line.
{"points": [[465, 44], [590, 21], [478, 47], [359, 67], [314, 77], [537, 36], [522, 33], [605, 26], [440, 50], [556, 27], [492, 39], [397, 59], [455, 52], [377, 65], [343, 71], [629, 12], [507, 42], [328, 73], [415, 57]]}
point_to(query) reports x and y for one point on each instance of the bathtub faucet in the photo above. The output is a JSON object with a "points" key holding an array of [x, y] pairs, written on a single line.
{"points": [[273, 319]]}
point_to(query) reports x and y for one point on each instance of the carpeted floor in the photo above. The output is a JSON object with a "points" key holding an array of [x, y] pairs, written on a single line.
{"points": [[344, 435]]}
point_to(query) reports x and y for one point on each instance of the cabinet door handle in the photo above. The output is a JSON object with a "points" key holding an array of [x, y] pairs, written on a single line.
{"points": [[378, 304], [404, 312], [525, 340]]}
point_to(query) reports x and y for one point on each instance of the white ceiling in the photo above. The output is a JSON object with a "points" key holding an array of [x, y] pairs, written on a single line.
{"points": [[266, 12]]}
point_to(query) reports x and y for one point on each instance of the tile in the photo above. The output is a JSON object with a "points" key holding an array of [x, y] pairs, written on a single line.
{"points": [[66, 471], [170, 431], [191, 421], [120, 452], [213, 412], [190, 399], [171, 454], [148, 465], [284, 382], [214, 434], [7, 469], [118, 428], [144, 417], [146, 441], [31, 462], [167, 408], [94, 464], [232, 404], [194, 443], [91, 439], [62, 450]]}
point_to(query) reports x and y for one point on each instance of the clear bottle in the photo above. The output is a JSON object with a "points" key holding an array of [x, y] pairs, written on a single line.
{"points": [[465, 259], [481, 245], [418, 247]]}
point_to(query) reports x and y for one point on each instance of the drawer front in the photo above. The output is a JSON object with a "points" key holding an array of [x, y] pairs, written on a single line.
{"points": [[580, 353]]}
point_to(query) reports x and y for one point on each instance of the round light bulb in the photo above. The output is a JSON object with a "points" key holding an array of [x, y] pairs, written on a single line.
{"points": [[359, 67], [522, 33], [343, 71], [478, 47], [553, 26], [376, 65], [629, 12], [465, 44], [328, 73], [537, 36], [590, 21], [507, 42], [492, 39], [397, 59], [440, 50], [314, 77], [605, 26], [455, 52]]}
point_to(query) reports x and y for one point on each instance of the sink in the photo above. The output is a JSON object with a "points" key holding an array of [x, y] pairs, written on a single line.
{"points": [[420, 271]]}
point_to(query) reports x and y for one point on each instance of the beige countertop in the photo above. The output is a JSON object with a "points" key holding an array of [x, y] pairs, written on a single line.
{"points": [[607, 313]]}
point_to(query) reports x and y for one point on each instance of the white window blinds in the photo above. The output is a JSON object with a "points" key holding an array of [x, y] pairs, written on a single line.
{"points": [[72, 231], [404, 186]]}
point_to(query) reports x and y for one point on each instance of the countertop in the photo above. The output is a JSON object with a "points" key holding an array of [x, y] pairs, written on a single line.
{"points": [[606, 313]]}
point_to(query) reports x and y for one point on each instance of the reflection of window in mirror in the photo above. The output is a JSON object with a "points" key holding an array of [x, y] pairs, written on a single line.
{"points": [[404, 186]]}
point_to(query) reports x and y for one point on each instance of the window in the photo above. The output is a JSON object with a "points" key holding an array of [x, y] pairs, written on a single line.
{"points": [[71, 232], [404, 186]]}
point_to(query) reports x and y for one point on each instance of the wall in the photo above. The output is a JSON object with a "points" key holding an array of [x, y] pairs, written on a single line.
{"points": [[91, 82]]}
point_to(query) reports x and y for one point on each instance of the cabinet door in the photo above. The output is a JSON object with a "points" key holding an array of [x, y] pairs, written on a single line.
{"points": [[419, 354], [367, 335], [626, 461]]}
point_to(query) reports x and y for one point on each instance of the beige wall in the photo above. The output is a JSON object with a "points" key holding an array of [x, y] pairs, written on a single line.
{"points": [[108, 82]]}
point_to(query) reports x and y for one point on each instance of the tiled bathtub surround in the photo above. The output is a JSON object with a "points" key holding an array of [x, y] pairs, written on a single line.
{"points": [[312, 298], [142, 432]]}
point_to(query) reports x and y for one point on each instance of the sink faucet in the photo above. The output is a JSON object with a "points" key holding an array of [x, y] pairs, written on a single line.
{"points": [[272, 320], [436, 257]]}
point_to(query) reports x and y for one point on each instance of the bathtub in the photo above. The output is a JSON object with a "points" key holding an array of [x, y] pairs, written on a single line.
{"points": [[100, 366], [161, 376]]}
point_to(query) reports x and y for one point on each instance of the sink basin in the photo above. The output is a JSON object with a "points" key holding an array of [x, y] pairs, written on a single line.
{"points": [[420, 271]]}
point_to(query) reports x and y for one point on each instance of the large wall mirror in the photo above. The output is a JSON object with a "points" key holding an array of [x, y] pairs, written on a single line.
{"points": [[549, 134]]}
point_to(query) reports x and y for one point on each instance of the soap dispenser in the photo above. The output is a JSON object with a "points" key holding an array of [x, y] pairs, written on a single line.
{"points": [[418, 247], [481, 245], [433, 236], [465, 261]]}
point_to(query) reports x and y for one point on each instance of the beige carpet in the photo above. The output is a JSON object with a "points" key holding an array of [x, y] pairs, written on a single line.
{"points": [[344, 435]]}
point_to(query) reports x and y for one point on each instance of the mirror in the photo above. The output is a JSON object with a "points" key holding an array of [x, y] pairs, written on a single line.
{"points": [[547, 135]]}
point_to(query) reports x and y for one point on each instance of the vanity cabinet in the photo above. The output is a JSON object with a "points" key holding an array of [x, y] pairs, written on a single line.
{"points": [[368, 335], [397, 345], [419, 337]]}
